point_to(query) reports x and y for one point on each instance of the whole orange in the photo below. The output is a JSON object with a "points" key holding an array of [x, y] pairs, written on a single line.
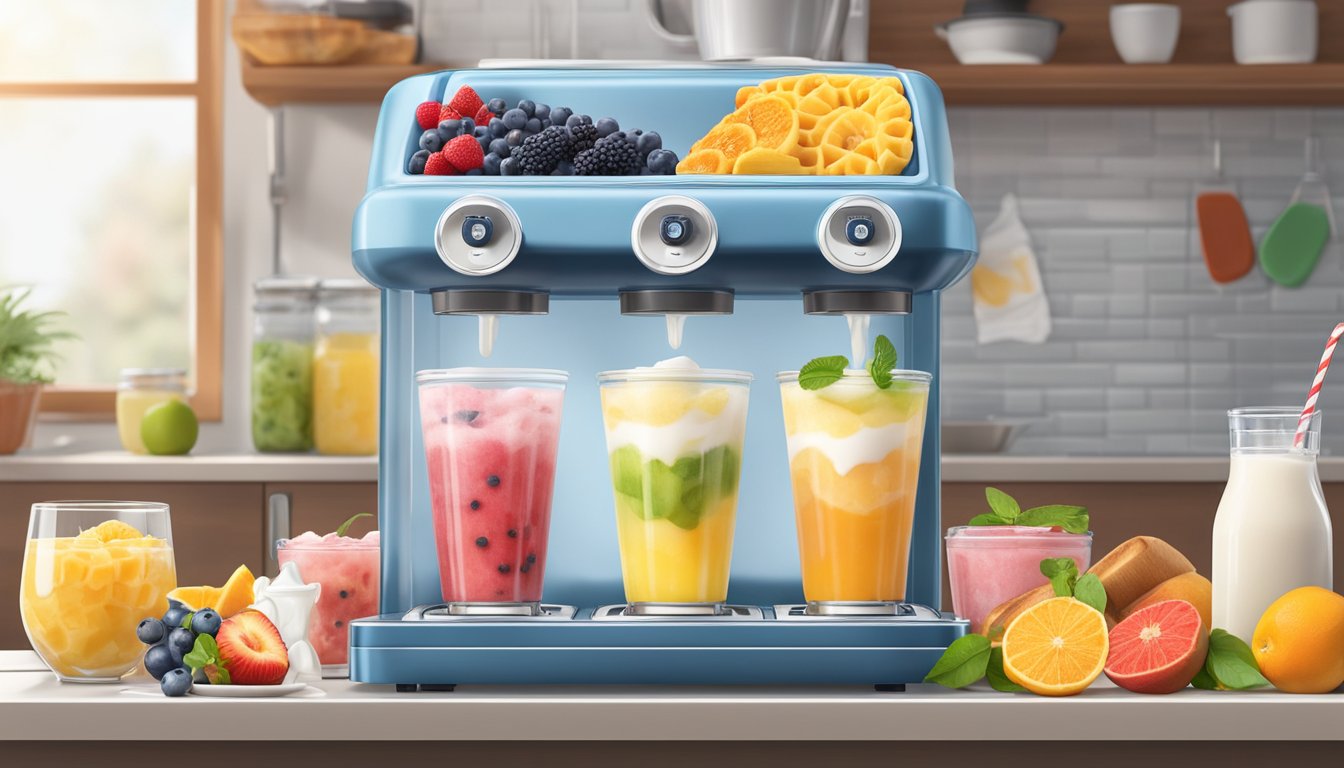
{"points": [[1299, 641]]}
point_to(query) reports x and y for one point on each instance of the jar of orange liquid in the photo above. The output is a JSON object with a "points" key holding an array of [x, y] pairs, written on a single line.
{"points": [[345, 369]]}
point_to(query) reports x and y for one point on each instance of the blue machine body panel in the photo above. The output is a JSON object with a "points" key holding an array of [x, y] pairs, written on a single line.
{"points": [[576, 246]]}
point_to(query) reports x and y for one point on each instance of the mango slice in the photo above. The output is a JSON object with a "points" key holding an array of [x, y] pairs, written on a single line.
{"points": [[763, 160], [772, 119], [705, 161]]}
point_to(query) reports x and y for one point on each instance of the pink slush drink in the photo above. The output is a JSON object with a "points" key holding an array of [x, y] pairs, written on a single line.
{"points": [[989, 564], [491, 437], [347, 569]]}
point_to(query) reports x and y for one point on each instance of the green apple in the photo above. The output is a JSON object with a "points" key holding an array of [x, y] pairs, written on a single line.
{"points": [[169, 429]]}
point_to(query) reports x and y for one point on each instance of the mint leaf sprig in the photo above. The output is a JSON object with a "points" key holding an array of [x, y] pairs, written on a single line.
{"points": [[1230, 665], [1064, 579], [204, 658], [340, 531], [822, 372], [1004, 510]]}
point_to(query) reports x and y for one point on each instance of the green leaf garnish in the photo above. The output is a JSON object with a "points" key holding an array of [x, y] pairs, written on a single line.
{"points": [[1204, 680], [964, 662], [1003, 505], [186, 620], [883, 361], [994, 672], [1070, 518], [1089, 589], [822, 372], [343, 527], [1231, 664], [986, 519], [204, 657], [1062, 573]]}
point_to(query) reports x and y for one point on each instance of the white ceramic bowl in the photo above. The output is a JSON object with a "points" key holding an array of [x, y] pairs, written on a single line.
{"points": [[1274, 31], [1008, 39], [1145, 33]]}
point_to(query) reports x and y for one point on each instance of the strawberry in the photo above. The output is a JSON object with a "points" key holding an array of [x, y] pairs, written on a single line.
{"points": [[466, 101], [464, 152], [483, 115], [448, 113], [427, 115], [438, 165], [251, 649]]}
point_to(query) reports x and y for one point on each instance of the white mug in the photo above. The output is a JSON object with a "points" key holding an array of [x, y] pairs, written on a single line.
{"points": [[1145, 33]]}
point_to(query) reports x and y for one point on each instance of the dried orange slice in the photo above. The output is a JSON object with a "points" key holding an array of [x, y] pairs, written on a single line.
{"points": [[763, 160], [771, 118], [732, 139], [705, 161], [1056, 648]]}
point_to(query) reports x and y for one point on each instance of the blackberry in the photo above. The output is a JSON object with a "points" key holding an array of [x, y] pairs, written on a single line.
{"points": [[610, 156], [539, 154], [582, 136]]}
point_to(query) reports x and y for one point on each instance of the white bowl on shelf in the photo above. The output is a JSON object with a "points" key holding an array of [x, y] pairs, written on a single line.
{"points": [[1274, 31], [1145, 33], [1001, 38]]}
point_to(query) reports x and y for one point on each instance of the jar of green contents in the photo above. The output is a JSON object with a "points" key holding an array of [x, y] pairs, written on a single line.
{"points": [[282, 364]]}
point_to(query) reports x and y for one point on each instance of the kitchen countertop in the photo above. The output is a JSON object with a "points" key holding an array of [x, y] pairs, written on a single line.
{"points": [[35, 707], [119, 466]]}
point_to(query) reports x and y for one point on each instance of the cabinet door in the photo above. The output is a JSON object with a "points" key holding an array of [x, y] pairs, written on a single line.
{"points": [[216, 526], [317, 507]]}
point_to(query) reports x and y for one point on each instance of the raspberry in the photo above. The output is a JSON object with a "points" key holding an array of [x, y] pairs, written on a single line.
{"points": [[464, 153], [612, 155], [483, 115], [539, 154], [448, 113], [466, 101], [427, 115], [438, 165]]}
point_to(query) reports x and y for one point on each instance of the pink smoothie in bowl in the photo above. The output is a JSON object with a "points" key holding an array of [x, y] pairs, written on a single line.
{"points": [[347, 569], [989, 564]]}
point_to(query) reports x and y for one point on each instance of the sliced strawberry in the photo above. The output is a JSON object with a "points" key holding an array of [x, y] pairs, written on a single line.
{"points": [[427, 114], [466, 101], [464, 153], [251, 649]]}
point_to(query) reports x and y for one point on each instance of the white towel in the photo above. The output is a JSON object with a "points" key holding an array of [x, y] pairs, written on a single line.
{"points": [[1006, 285]]}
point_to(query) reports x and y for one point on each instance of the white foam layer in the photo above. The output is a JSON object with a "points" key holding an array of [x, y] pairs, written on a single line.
{"points": [[865, 446], [696, 432]]}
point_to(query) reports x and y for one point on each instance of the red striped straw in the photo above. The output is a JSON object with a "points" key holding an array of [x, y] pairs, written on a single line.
{"points": [[1309, 410]]}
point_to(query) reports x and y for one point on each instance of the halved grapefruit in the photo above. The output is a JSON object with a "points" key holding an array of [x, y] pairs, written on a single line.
{"points": [[1158, 649]]}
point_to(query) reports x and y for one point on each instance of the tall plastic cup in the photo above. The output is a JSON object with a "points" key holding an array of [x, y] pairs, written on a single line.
{"points": [[674, 441], [854, 453], [491, 436]]}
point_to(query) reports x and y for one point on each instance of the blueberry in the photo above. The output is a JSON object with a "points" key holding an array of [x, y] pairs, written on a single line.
{"points": [[515, 118], [491, 166], [475, 504], [492, 481], [533, 125], [431, 140], [468, 125], [176, 682], [648, 142], [509, 167], [482, 542], [180, 642], [563, 168], [450, 129], [662, 162], [532, 558], [206, 622], [500, 147], [481, 130], [528, 106], [572, 120], [560, 114], [504, 568], [607, 126], [586, 119], [513, 533], [484, 141], [159, 660], [474, 172], [497, 127], [173, 616], [417, 163], [497, 106], [646, 172], [515, 137], [150, 631], [525, 567], [542, 112]]}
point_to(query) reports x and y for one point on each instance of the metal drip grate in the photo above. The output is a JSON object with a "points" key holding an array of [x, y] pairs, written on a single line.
{"points": [[857, 611], [490, 612], [665, 612]]}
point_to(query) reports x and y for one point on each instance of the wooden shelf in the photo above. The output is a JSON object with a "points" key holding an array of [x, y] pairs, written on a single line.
{"points": [[1140, 85], [335, 84]]}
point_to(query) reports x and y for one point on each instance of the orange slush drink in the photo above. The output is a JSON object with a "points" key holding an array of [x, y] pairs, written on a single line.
{"points": [[854, 463], [82, 597]]}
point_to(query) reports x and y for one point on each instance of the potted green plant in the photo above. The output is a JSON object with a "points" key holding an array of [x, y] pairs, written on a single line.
{"points": [[27, 339]]}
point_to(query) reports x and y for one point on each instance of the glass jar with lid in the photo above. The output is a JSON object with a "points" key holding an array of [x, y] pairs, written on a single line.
{"points": [[140, 389], [345, 368], [282, 364]]}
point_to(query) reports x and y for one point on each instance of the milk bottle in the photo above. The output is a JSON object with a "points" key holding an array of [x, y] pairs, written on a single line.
{"points": [[1272, 530]]}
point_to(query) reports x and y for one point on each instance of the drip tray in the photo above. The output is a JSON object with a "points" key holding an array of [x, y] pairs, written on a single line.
{"points": [[725, 613], [896, 612], [441, 612]]}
